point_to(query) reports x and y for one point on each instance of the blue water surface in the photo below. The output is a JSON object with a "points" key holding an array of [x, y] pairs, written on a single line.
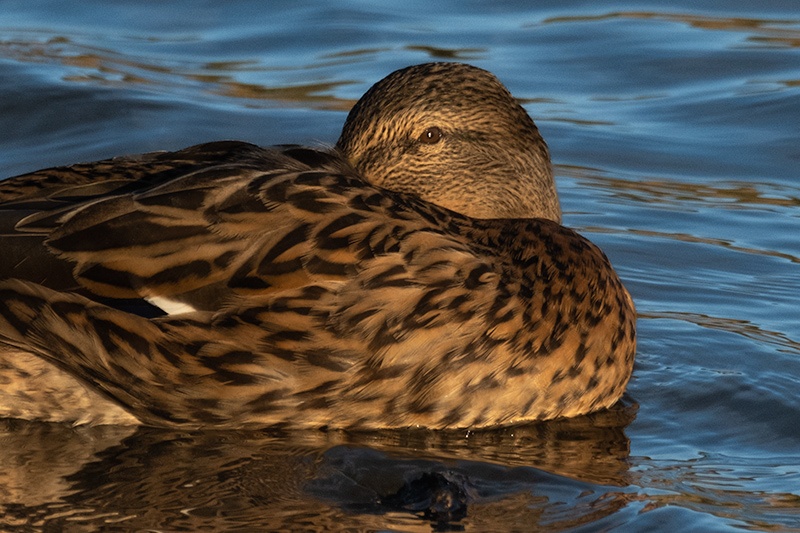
{"points": [[674, 133]]}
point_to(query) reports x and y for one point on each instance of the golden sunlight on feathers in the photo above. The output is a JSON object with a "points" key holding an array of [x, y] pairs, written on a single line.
{"points": [[416, 275]]}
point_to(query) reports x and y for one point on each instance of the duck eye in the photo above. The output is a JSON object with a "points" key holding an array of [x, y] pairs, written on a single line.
{"points": [[431, 135]]}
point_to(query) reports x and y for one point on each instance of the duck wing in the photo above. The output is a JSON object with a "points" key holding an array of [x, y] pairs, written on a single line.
{"points": [[55, 187], [57, 190], [141, 226]]}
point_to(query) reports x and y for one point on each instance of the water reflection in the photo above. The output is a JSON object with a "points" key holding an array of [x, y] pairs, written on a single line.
{"points": [[682, 194], [744, 328], [314, 95], [449, 54], [685, 237], [566, 471], [772, 32], [109, 67], [717, 484]]}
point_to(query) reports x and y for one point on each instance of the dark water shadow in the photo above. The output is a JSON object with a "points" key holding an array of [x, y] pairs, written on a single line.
{"points": [[548, 476]]}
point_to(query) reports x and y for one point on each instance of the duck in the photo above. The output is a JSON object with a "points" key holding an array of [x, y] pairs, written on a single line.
{"points": [[416, 274]]}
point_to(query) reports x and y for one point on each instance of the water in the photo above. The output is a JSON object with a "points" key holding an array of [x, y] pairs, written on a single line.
{"points": [[675, 136]]}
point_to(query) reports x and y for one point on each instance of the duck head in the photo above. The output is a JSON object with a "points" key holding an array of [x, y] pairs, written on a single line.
{"points": [[452, 135]]}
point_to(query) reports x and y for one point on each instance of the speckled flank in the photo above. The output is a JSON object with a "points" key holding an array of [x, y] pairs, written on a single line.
{"points": [[331, 289]]}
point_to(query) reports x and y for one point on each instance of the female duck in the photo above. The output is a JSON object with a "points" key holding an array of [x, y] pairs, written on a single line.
{"points": [[417, 275]]}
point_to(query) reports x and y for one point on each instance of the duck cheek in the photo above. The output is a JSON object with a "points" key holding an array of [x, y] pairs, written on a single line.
{"points": [[375, 167], [440, 161]]}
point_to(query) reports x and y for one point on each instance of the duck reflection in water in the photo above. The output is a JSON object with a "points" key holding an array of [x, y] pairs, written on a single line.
{"points": [[565, 473]]}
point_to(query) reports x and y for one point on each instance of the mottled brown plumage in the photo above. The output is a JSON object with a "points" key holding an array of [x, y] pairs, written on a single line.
{"points": [[415, 276]]}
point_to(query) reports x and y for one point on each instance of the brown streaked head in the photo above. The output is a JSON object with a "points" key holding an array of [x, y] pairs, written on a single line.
{"points": [[453, 135]]}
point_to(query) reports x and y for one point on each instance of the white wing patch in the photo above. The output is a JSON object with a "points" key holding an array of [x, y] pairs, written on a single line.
{"points": [[171, 307]]}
